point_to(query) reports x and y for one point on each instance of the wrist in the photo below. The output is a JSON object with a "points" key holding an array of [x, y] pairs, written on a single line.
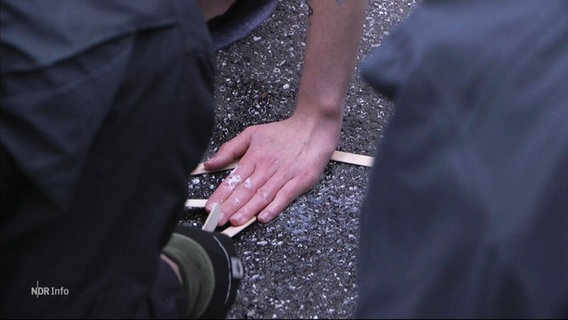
{"points": [[320, 108], [322, 121]]}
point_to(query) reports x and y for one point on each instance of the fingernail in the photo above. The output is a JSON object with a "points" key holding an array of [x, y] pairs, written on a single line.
{"points": [[237, 218], [263, 216]]}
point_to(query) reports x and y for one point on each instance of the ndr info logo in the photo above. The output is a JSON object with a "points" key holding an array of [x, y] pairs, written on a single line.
{"points": [[48, 291]]}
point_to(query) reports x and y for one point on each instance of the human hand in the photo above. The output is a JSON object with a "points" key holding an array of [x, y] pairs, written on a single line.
{"points": [[279, 161]]}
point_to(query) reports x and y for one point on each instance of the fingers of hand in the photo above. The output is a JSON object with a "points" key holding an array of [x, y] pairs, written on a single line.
{"points": [[273, 197], [242, 195], [290, 191], [254, 205], [227, 187], [229, 151]]}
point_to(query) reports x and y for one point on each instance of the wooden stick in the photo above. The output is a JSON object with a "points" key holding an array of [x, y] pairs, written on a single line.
{"points": [[195, 203], [339, 156], [230, 231], [352, 158], [213, 219], [200, 169], [233, 231]]}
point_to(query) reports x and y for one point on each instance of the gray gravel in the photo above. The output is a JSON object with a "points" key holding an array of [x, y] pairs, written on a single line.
{"points": [[304, 263]]}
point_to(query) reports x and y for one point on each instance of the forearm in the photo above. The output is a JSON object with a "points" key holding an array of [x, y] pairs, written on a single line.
{"points": [[333, 38]]}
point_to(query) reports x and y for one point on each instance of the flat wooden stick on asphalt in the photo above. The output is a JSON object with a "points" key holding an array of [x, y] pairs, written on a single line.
{"points": [[230, 231], [339, 156], [195, 203], [233, 231]]}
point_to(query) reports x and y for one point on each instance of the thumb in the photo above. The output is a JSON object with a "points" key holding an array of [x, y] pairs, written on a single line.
{"points": [[229, 151]]}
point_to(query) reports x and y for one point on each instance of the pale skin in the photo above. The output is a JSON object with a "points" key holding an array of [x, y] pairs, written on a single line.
{"points": [[280, 161], [213, 8]]}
